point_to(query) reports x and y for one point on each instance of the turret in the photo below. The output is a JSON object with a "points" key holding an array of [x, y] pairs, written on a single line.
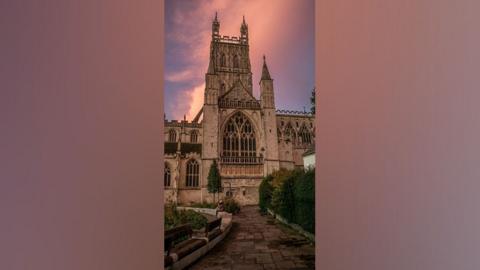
{"points": [[244, 31], [215, 27], [266, 88]]}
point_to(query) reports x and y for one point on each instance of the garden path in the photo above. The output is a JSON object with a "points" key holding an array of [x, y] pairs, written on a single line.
{"points": [[259, 242]]}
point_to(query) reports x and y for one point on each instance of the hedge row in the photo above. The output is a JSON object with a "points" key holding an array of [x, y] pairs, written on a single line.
{"points": [[291, 194]]}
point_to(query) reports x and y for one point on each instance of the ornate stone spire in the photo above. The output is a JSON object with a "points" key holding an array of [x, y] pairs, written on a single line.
{"points": [[215, 27], [265, 73], [244, 29]]}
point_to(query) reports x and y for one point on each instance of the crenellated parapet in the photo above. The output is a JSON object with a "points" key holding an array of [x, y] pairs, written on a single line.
{"points": [[182, 123], [294, 113]]}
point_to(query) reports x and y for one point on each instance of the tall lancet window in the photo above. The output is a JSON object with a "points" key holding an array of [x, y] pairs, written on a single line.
{"points": [[172, 135], [239, 137], [223, 60], [305, 135], [193, 136], [289, 133], [166, 176], [235, 61], [193, 173]]}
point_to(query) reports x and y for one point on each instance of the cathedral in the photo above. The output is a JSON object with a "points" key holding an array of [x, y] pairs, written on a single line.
{"points": [[248, 137]]}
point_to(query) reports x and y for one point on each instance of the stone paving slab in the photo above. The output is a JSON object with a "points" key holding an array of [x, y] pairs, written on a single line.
{"points": [[258, 242]]}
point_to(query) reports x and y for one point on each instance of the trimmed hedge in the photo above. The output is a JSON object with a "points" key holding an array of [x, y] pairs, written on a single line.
{"points": [[291, 194], [305, 201], [265, 194]]}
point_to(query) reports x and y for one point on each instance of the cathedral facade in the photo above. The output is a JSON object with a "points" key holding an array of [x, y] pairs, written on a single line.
{"points": [[248, 137]]}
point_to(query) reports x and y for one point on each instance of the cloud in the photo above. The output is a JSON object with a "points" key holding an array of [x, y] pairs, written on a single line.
{"points": [[271, 27], [185, 75], [196, 101]]}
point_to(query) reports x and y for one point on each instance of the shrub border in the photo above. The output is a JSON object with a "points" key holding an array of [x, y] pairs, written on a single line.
{"points": [[295, 227]]}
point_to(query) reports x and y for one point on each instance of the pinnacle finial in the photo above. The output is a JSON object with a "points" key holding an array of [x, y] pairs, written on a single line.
{"points": [[265, 73], [215, 15], [243, 19]]}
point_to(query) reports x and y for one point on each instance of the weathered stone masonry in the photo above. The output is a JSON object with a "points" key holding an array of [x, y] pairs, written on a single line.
{"points": [[249, 138]]}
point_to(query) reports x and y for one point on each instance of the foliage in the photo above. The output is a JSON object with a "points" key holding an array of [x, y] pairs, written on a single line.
{"points": [[305, 201], [174, 218], [265, 191], [203, 205], [214, 181], [291, 194], [231, 206], [286, 207]]}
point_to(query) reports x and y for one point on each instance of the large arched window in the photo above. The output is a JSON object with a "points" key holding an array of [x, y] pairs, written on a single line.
{"points": [[289, 133], [235, 61], [223, 60], [166, 176], [172, 135], [239, 137], [305, 135], [193, 173], [193, 136]]}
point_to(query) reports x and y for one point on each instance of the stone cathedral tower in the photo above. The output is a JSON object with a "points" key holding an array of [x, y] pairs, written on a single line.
{"points": [[249, 138]]}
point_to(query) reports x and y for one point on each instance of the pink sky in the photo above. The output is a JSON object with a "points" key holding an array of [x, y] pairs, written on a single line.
{"points": [[281, 29]]}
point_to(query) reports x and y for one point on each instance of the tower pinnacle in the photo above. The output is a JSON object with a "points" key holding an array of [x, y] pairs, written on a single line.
{"points": [[265, 73]]}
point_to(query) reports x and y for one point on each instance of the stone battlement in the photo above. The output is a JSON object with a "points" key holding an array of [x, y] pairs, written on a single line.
{"points": [[231, 40], [294, 113], [182, 123]]}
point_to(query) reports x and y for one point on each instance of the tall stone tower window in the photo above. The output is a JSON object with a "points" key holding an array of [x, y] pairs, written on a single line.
{"points": [[305, 135], [239, 137], [193, 173], [172, 135], [193, 136], [290, 133], [223, 60], [166, 176], [235, 61]]}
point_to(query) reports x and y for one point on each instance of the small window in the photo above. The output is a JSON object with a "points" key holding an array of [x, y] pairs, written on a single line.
{"points": [[172, 136], [193, 136], [193, 173], [166, 176]]}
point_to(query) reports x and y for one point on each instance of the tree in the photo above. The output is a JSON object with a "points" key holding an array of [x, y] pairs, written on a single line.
{"points": [[214, 180], [312, 101]]}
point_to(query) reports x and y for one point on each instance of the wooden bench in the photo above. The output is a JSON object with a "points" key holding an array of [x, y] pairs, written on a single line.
{"points": [[212, 229], [179, 243]]}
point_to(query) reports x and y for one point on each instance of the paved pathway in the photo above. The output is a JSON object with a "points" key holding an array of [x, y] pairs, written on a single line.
{"points": [[258, 242]]}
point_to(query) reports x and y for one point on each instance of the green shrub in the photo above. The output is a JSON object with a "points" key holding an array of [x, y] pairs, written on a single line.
{"points": [[231, 206], [203, 205], [265, 191], [174, 218], [291, 194], [286, 207], [305, 201]]}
